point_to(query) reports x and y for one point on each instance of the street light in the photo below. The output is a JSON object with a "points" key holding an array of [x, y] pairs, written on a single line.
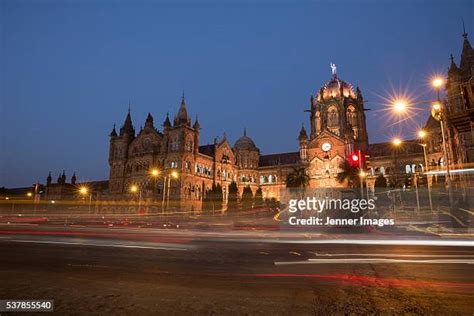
{"points": [[29, 194], [437, 82], [155, 172], [421, 134], [397, 141], [83, 190], [134, 189], [166, 188], [400, 106]]}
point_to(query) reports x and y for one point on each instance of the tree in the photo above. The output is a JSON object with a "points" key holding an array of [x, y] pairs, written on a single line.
{"points": [[381, 181], [213, 199], [297, 178], [258, 199], [349, 173], [247, 198], [233, 199]]}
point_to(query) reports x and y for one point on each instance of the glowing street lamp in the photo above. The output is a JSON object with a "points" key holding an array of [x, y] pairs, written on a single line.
{"points": [[154, 172], [437, 82], [166, 188], [29, 194], [397, 141], [362, 174], [422, 134], [134, 189], [400, 106], [83, 190]]}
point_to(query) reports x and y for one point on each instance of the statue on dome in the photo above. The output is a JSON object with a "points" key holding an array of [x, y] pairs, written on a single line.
{"points": [[333, 68]]}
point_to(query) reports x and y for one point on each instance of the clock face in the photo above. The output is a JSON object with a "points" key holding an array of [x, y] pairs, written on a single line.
{"points": [[326, 147]]}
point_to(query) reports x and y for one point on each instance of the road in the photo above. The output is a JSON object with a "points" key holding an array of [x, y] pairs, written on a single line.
{"points": [[111, 272]]}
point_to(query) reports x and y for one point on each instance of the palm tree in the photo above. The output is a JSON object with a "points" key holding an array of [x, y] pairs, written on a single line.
{"points": [[349, 173], [297, 178]]}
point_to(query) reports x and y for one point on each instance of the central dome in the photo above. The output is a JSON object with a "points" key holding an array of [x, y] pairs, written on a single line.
{"points": [[335, 88], [245, 142]]}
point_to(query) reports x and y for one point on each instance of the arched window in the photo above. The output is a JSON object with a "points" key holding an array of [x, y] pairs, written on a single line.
{"points": [[333, 116], [352, 116], [318, 122]]}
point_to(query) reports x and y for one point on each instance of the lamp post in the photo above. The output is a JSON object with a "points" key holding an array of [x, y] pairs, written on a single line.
{"points": [[166, 188], [155, 173], [135, 189], [398, 142], [438, 112], [422, 134], [362, 174], [83, 190]]}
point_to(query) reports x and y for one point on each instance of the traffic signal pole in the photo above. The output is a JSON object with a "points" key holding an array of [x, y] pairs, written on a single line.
{"points": [[360, 175]]}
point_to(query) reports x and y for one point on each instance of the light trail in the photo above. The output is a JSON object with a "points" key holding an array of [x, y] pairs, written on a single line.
{"points": [[361, 279], [389, 255], [89, 243], [395, 242]]}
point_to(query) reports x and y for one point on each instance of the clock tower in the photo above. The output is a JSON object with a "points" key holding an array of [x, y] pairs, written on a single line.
{"points": [[338, 129]]}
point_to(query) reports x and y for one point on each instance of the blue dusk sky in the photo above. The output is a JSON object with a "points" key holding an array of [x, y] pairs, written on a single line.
{"points": [[70, 68]]}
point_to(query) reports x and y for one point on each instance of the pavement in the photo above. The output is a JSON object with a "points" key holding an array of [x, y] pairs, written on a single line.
{"points": [[171, 271]]}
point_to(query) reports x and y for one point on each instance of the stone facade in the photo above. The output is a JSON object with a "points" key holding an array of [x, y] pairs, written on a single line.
{"points": [[338, 128]]}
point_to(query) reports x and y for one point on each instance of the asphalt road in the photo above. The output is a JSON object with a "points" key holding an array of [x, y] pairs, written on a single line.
{"points": [[89, 272]]}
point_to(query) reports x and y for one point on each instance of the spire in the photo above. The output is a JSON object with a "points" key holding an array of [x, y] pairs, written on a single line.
{"points": [[113, 133], [467, 54], [128, 125], [49, 179], [73, 178], [464, 34], [453, 67], [303, 135], [245, 131], [182, 116], [167, 122], [196, 125], [149, 121]]}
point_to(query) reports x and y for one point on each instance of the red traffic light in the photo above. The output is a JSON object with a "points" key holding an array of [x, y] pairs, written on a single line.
{"points": [[355, 157]]}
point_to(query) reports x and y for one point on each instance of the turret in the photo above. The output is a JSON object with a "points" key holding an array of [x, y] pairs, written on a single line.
{"points": [[49, 179], [182, 116], [149, 122], [73, 178], [467, 56], [167, 122], [303, 139], [113, 133], [197, 131], [127, 129]]}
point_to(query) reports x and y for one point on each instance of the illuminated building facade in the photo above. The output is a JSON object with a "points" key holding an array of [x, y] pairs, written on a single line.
{"points": [[337, 129]]}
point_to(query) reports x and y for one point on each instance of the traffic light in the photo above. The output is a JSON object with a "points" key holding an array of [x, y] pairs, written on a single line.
{"points": [[355, 158]]}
